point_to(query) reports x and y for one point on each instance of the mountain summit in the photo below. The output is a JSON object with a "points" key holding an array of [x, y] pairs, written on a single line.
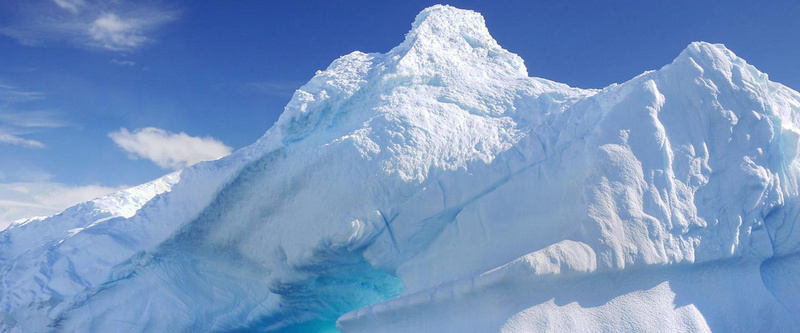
{"points": [[439, 188]]}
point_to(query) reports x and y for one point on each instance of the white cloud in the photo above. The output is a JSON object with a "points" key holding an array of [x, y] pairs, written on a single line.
{"points": [[25, 200], [73, 6], [107, 24], [113, 32], [123, 62], [18, 141], [168, 150]]}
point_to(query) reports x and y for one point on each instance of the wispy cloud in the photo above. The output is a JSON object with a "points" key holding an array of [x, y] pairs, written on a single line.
{"points": [[168, 150], [72, 6], [106, 24], [123, 62], [18, 141], [10, 95], [15, 123], [25, 200], [117, 33], [30, 119]]}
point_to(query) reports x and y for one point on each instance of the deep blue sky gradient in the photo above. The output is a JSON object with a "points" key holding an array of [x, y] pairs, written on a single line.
{"points": [[226, 68]]}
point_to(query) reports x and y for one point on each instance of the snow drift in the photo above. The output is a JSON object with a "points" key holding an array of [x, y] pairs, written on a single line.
{"points": [[438, 187]]}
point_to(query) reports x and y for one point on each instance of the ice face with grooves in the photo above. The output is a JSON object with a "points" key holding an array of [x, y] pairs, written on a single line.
{"points": [[438, 187]]}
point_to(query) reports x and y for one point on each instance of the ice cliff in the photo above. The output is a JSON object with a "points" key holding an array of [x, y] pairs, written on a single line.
{"points": [[439, 188]]}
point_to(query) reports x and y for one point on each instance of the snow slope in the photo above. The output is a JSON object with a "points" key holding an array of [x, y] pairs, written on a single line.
{"points": [[439, 188]]}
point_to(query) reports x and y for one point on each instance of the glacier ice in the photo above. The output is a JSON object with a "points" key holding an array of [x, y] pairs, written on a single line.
{"points": [[438, 187]]}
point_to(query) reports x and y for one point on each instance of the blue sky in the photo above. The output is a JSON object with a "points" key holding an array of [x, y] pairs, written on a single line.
{"points": [[97, 95]]}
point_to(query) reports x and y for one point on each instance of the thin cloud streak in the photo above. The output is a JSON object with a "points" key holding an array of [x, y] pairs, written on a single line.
{"points": [[15, 123], [30, 119], [18, 141], [123, 62], [72, 6], [10, 95]]}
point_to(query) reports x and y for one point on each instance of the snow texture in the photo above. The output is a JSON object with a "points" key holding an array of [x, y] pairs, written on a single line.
{"points": [[439, 188]]}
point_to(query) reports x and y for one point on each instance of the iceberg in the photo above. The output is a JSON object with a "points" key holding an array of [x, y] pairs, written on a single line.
{"points": [[438, 187]]}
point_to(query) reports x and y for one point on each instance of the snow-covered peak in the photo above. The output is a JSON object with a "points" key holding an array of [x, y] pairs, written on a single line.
{"points": [[718, 63], [448, 52], [711, 56], [127, 202], [451, 41], [444, 21], [441, 26]]}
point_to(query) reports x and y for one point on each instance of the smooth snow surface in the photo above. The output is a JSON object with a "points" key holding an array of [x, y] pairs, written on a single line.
{"points": [[439, 188]]}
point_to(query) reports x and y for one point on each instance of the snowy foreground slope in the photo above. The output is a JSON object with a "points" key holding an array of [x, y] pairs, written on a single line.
{"points": [[439, 188]]}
